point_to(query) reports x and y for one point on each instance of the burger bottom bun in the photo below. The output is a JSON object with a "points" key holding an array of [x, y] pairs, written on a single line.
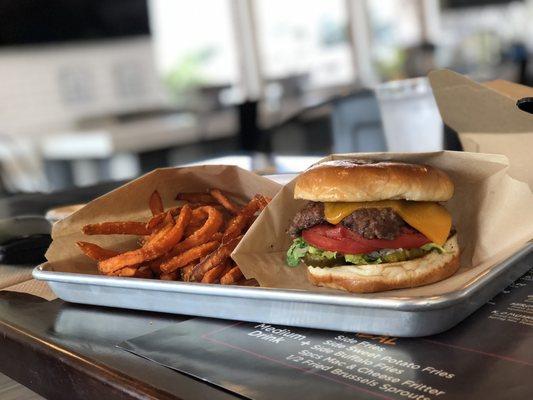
{"points": [[431, 268]]}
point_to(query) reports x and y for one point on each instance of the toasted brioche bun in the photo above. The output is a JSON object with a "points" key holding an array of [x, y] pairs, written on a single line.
{"points": [[356, 180], [433, 267]]}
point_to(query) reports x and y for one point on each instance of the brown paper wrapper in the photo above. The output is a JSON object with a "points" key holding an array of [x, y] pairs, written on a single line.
{"points": [[487, 119], [130, 203], [492, 212]]}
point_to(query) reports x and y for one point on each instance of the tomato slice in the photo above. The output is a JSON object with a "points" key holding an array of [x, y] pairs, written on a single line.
{"points": [[341, 239]]}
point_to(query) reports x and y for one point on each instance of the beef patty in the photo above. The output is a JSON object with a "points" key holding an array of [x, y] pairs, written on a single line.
{"points": [[371, 223], [312, 214], [375, 223]]}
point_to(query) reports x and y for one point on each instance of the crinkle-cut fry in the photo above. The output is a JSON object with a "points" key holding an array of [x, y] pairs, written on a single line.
{"points": [[232, 276], [96, 252], [187, 271], [188, 256], [240, 221], [157, 245], [156, 203], [196, 198], [215, 273], [202, 235], [247, 282], [224, 201], [171, 276], [116, 228], [215, 258]]}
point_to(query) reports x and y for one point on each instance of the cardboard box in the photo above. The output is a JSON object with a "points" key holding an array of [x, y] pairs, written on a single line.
{"points": [[487, 119]]}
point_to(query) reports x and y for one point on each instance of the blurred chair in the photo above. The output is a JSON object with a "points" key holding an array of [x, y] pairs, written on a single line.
{"points": [[21, 167], [356, 123], [343, 123], [307, 132], [518, 54]]}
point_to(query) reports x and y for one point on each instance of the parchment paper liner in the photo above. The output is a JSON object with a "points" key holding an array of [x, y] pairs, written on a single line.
{"points": [[492, 212], [130, 203]]}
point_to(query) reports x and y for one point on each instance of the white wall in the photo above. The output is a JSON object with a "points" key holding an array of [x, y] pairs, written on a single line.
{"points": [[48, 88]]}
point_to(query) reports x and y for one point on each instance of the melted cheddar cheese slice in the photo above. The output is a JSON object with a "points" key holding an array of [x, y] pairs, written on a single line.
{"points": [[429, 218]]}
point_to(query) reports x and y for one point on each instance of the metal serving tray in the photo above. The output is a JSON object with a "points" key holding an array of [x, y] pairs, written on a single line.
{"points": [[418, 316]]}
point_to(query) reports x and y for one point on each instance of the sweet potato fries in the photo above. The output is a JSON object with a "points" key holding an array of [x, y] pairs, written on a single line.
{"points": [[190, 242]]}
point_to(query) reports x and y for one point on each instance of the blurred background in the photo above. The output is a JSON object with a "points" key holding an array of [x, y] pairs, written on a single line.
{"points": [[105, 90]]}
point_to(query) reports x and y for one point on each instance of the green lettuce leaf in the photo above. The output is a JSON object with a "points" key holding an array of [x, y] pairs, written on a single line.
{"points": [[329, 255], [300, 248], [296, 252]]}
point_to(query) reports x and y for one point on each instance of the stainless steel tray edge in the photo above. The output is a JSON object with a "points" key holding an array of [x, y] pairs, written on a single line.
{"points": [[388, 316]]}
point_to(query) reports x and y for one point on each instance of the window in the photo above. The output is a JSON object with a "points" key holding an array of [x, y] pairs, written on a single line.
{"points": [[194, 43], [306, 38], [395, 25]]}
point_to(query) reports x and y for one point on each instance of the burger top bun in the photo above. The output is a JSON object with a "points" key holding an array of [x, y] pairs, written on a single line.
{"points": [[356, 180]]}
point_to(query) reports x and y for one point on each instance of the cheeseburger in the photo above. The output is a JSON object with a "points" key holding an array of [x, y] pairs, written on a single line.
{"points": [[373, 226]]}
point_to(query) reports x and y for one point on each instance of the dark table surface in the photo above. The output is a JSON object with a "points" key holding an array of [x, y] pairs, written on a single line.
{"points": [[66, 351], [39, 203]]}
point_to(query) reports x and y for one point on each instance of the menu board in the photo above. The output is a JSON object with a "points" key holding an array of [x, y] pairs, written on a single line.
{"points": [[489, 355]]}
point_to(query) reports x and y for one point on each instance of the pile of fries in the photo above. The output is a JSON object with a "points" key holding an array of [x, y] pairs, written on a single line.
{"points": [[191, 242]]}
